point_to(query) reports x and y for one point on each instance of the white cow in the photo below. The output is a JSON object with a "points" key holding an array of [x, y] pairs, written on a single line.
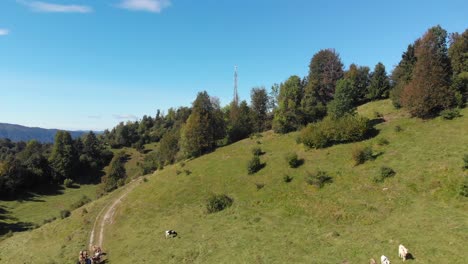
{"points": [[384, 260], [402, 252], [170, 233]]}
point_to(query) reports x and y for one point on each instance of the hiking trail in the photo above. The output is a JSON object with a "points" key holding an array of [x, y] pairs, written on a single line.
{"points": [[101, 221]]}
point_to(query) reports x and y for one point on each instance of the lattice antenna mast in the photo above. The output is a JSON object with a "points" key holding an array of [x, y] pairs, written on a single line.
{"points": [[236, 96]]}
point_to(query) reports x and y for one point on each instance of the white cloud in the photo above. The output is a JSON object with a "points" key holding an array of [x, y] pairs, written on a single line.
{"points": [[45, 7], [4, 31], [126, 117], [154, 6]]}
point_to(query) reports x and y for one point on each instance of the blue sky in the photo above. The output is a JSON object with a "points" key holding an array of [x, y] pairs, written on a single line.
{"points": [[88, 64]]}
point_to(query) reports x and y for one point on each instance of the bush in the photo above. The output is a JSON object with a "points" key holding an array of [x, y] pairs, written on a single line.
{"points": [[83, 200], [382, 141], [377, 114], [450, 114], [259, 185], [254, 165], [64, 214], [49, 220], [177, 172], [257, 151], [68, 183], [187, 172], [319, 179], [398, 129], [348, 128], [293, 160], [464, 188], [362, 154], [287, 178], [385, 172], [218, 202], [465, 162]]}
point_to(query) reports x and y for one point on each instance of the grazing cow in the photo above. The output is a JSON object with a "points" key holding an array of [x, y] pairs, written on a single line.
{"points": [[372, 261], [384, 260], [171, 233], [402, 252]]}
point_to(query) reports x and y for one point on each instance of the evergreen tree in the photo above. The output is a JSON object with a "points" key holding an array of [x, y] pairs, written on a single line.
{"points": [[344, 101], [116, 174], [379, 84], [288, 116], [200, 132], [241, 127], [359, 76], [259, 103], [325, 70], [63, 157], [458, 52], [402, 74], [429, 90]]}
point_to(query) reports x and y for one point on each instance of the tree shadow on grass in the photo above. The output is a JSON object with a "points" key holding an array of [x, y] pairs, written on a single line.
{"points": [[9, 223]]}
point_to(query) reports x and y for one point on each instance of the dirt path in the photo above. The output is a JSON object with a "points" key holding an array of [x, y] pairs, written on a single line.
{"points": [[102, 220]]}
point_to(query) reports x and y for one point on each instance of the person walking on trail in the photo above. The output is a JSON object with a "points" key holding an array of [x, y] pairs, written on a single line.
{"points": [[83, 258]]}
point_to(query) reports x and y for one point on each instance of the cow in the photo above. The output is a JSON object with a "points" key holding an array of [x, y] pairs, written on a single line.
{"points": [[372, 261], [384, 260], [402, 252], [170, 233]]}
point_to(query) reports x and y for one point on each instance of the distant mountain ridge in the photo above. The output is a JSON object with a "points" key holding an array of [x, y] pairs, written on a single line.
{"points": [[23, 133]]}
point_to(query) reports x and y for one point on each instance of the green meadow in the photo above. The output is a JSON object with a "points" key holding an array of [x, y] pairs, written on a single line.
{"points": [[352, 218]]}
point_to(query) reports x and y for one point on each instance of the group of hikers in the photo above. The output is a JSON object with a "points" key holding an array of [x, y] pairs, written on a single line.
{"points": [[83, 258]]}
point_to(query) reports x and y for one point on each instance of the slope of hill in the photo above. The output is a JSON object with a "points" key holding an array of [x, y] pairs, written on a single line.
{"points": [[353, 218], [22, 133]]}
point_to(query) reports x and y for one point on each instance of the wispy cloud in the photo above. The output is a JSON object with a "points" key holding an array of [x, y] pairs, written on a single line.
{"points": [[126, 117], [4, 31], [154, 6], [46, 7]]}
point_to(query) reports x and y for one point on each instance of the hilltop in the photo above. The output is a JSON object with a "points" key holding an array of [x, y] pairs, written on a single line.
{"points": [[353, 218], [23, 133]]}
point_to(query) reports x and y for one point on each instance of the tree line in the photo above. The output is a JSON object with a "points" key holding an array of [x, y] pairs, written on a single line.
{"points": [[26, 166], [431, 76]]}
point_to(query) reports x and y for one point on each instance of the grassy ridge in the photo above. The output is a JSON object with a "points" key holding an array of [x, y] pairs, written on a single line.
{"points": [[352, 218]]}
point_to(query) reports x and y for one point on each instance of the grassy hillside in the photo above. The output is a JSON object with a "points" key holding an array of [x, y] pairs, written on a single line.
{"points": [[353, 218]]}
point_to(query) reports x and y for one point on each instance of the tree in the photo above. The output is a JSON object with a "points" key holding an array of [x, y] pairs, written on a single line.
{"points": [[359, 75], [12, 177], [259, 103], [169, 145], [429, 90], [241, 127], [288, 115], [37, 166], [402, 74], [344, 101], [116, 174], [63, 157], [325, 70], [458, 52], [200, 132], [379, 84]]}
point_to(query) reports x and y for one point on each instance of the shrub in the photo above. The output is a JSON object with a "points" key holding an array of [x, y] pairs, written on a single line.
{"points": [[465, 162], [385, 172], [287, 178], [218, 202], [464, 188], [182, 164], [398, 129], [362, 154], [319, 179], [377, 114], [68, 183], [64, 214], [254, 165], [348, 128], [293, 160], [259, 185], [450, 114], [83, 200], [49, 220], [257, 151], [382, 141], [145, 179], [177, 172], [187, 172]]}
